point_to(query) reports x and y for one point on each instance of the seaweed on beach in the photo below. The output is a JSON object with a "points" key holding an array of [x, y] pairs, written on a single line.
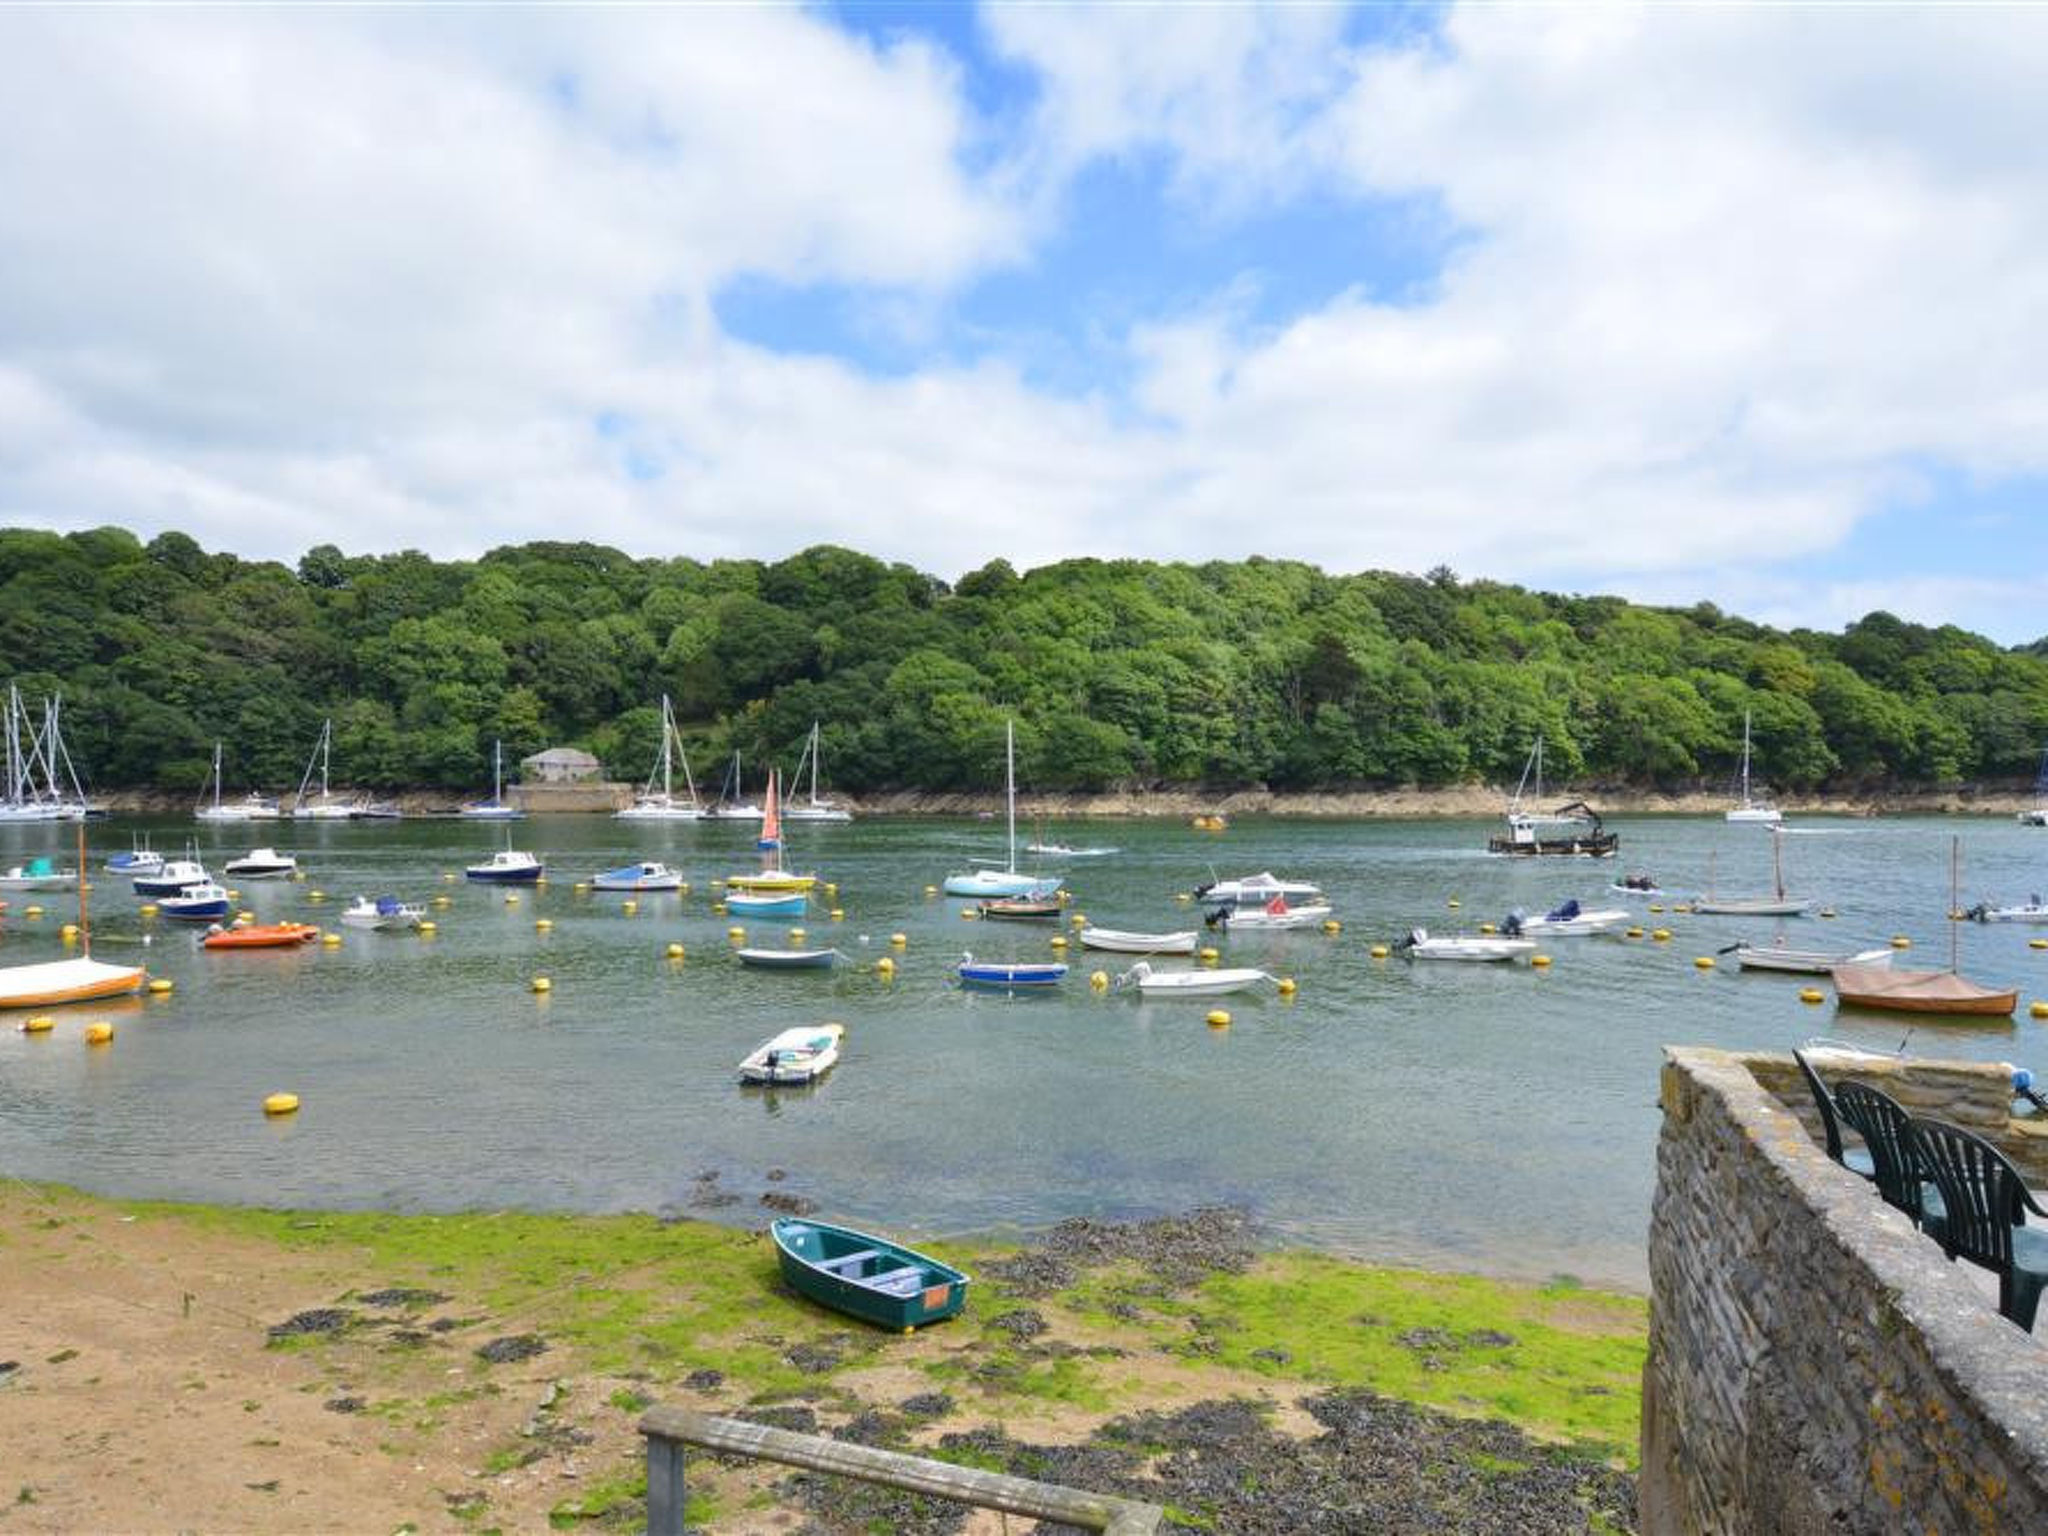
{"points": [[1177, 1252]]}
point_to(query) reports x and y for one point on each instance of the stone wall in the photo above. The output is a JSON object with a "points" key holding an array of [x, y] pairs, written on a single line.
{"points": [[1815, 1363]]}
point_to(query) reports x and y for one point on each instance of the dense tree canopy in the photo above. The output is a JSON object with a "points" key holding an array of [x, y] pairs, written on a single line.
{"points": [[1115, 672]]}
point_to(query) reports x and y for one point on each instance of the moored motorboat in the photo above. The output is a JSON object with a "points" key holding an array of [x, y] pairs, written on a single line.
{"points": [[868, 1277], [262, 864], [170, 877], [1211, 982], [1566, 920], [800, 1055], [1119, 941], [508, 866], [1419, 945], [644, 876], [386, 913], [137, 861], [260, 936], [204, 903], [789, 959], [1011, 975], [1635, 885], [1573, 830], [1275, 916], [39, 874], [1256, 891], [2032, 910]]}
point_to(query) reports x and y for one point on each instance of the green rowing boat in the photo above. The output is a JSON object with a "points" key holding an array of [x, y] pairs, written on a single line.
{"points": [[865, 1276]]}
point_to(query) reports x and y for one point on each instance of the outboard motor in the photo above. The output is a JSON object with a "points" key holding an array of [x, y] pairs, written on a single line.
{"points": [[1511, 925], [1217, 917]]}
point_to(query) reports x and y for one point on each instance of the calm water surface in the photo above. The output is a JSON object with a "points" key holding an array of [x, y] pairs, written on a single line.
{"points": [[1492, 1118]]}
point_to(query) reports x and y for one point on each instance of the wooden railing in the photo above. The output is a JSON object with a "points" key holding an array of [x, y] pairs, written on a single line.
{"points": [[668, 1430]]}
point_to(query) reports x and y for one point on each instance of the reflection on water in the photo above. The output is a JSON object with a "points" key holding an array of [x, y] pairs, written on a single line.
{"points": [[1493, 1118]]}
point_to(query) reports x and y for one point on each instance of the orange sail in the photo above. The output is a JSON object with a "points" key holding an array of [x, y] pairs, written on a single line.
{"points": [[771, 817]]}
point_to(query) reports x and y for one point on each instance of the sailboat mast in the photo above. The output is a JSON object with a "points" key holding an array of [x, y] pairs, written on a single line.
{"points": [[1955, 883], [1010, 785], [1745, 757]]}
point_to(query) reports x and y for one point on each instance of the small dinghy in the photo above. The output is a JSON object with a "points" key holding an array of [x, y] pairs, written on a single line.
{"points": [[645, 876], [1563, 921], [1420, 946], [385, 913], [1926, 992], [1117, 941], [195, 904], [1202, 983], [1011, 975], [801, 1055], [54, 982], [508, 866], [1780, 956], [865, 1276], [745, 904], [260, 936], [1019, 909], [1635, 885], [789, 959], [262, 864]]}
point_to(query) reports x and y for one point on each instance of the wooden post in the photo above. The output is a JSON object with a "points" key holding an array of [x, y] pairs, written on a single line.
{"points": [[665, 1497], [668, 1429]]}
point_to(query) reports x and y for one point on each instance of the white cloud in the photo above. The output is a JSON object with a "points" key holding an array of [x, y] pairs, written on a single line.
{"points": [[1731, 275]]}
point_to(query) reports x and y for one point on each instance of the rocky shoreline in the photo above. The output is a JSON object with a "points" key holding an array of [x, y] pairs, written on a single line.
{"points": [[1180, 803]]}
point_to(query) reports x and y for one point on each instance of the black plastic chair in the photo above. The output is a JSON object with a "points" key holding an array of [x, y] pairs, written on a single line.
{"points": [[1987, 1204], [1854, 1159], [1887, 1130]]}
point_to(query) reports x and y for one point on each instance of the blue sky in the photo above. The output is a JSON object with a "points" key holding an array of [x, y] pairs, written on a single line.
{"points": [[1736, 304]]}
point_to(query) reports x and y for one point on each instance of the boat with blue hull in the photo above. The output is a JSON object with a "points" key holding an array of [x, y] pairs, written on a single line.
{"points": [[1011, 975], [508, 866], [645, 876], [195, 904], [746, 904], [865, 1276]]}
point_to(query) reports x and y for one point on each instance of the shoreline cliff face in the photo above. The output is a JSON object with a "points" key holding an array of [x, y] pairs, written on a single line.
{"points": [[1450, 801]]}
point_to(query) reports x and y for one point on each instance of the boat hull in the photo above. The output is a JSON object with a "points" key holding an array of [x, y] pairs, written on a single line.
{"points": [[266, 936], [1211, 983], [999, 884], [56, 982], [1026, 976], [1115, 941], [864, 1276], [767, 906], [789, 959], [1765, 906], [794, 1057], [1020, 910], [1932, 993], [772, 881], [1804, 962]]}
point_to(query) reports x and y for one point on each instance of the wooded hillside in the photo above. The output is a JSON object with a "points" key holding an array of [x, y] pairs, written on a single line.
{"points": [[1224, 673]]}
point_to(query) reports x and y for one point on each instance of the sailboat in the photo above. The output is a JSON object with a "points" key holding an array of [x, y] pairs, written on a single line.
{"points": [[661, 804], [2037, 816], [324, 806], [730, 806], [1776, 905], [495, 808], [251, 807], [1750, 808], [772, 878], [1570, 830], [82, 980], [1928, 992], [1005, 881], [39, 766], [812, 808]]}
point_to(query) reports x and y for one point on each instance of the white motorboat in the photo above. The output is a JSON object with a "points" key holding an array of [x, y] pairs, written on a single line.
{"points": [[1196, 983], [644, 876], [508, 866], [1276, 916], [386, 914], [1748, 807], [800, 1055], [1118, 941], [1068, 851], [662, 804], [1780, 956], [170, 877], [137, 861], [38, 874], [1256, 891], [262, 864], [1565, 921], [1420, 946], [195, 903], [2032, 910]]}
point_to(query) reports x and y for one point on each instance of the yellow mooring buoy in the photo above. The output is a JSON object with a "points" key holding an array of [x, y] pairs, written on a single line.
{"points": [[281, 1104], [99, 1032], [1218, 1019]]}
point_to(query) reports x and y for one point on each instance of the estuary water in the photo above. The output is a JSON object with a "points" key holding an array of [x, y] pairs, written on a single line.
{"points": [[1492, 1118]]}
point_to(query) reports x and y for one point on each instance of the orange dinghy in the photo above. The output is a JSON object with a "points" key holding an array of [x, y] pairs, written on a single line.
{"points": [[261, 936], [1934, 992]]}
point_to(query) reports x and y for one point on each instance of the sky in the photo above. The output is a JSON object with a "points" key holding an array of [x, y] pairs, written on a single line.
{"points": [[1740, 304]]}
